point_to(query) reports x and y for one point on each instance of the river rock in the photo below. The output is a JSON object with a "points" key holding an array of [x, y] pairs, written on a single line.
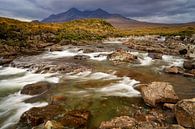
{"points": [[53, 125], [185, 113], [5, 61], [121, 56], [39, 115], [81, 57], [174, 70], [123, 122], [169, 106], [158, 92], [75, 119], [155, 55], [56, 48], [36, 88], [190, 64], [175, 127]]}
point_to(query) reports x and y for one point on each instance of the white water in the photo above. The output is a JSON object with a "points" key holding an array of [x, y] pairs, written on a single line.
{"points": [[99, 56], [28, 78], [144, 59], [12, 106], [122, 88], [88, 75], [116, 40], [173, 60]]}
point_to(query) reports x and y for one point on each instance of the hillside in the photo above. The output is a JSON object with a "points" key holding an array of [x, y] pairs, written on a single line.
{"points": [[23, 37]]}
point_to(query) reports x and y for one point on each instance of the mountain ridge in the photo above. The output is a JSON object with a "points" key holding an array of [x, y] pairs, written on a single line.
{"points": [[75, 14]]}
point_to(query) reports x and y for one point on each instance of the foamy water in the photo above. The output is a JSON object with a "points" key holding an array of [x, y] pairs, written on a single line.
{"points": [[28, 78], [88, 75], [173, 60], [143, 58], [99, 56], [13, 106], [123, 87]]}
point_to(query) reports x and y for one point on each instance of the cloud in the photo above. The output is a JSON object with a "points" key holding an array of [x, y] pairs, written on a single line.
{"points": [[147, 10]]}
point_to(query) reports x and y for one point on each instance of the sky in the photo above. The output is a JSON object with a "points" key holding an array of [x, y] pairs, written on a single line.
{"points": [[159, 11]]}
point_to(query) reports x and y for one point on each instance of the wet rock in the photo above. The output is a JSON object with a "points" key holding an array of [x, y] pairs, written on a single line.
{"points": [[81, 57], [72, 119], [190, 64], [121, 56], [192, 71], [53, 125], [122, 122], [185, 113], [5, 61], [188, 75], [148, 125], [57, 99], [155, 55], [88, 50], [174, 70], [76, 119], [36, 88], [175, 127], [183, 52], [61, 68], [169, 106], [158, 92], [36, 116], [56, 48]]}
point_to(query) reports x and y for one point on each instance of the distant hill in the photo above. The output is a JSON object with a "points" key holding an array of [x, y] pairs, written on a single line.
{"points": [[75, 14]]}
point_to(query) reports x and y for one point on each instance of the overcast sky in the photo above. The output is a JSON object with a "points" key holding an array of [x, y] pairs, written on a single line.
{"points": [[164, 11]]}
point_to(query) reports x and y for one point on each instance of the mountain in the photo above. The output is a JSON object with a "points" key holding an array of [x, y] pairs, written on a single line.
{"points": [[74, 14]]}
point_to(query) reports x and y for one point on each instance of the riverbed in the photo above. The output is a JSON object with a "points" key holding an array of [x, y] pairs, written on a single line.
{"points": [[105, 89]]}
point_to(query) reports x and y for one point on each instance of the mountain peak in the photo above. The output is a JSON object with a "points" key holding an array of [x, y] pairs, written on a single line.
{"points": [[73, 9], [74, 14]]}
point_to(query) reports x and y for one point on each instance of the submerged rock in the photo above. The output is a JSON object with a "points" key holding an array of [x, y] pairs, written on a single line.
{"points": [[123, 122], [174, 70], [185, 113], [155, 55], [190, 64], [122, 56], [81, 57], [36, 88], [158, 92], [72, 119]]}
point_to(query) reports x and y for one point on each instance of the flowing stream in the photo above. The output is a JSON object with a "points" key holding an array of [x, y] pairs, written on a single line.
{"points": [[107, 90]]}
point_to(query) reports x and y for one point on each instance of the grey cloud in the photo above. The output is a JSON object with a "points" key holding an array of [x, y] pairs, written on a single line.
{"points": [[156, 9]]}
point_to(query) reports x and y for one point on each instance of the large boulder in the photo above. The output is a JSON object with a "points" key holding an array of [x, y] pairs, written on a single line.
{"points": [[36, 88], [123, 122], [122, 56], [190, 64], [185, 113], [158, 92], [174, 70]]}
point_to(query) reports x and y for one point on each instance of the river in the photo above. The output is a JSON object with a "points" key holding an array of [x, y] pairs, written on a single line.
{"points": [[106, 90]]}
